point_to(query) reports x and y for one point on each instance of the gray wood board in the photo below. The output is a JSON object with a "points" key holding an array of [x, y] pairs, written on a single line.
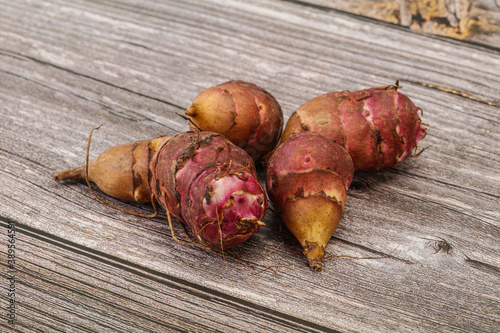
{"points": [[66, 67], [65, 286]]}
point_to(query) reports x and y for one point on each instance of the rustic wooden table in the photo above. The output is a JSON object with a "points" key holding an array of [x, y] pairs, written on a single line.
{"points": [[81, 266]]}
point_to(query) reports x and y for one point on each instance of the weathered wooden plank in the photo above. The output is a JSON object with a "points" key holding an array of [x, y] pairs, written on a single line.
{"points": [[67, 287], [65, 69]]}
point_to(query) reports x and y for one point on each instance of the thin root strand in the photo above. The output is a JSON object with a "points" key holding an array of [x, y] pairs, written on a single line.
{"points": [[418, 154]]}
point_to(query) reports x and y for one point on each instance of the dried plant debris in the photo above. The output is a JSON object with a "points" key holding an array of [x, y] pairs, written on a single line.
{"points": [[454, 18]]}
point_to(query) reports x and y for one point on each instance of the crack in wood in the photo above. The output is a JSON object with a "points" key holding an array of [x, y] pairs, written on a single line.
{"points": [[106, 107], [482, 266], [36, 276], [377, 252], [441, 182], [70, 71]]}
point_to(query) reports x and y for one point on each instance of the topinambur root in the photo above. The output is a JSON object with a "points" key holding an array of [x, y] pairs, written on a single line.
{"points": [[200, 178], [307, 181], [249, 116], [379, 127]]}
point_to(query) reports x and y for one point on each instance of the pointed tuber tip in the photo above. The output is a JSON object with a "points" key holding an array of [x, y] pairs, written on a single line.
{"points": [[70, 174], [55, 176], [315, 264], [314, 254]]}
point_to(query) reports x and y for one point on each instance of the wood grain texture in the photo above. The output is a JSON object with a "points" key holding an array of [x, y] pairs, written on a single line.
{"points": [[64, 287], [68, 66]]}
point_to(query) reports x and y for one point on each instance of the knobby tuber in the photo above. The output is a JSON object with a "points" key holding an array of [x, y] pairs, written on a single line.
{"points": [[246, 114], [307, 181], [379, 127], [200, 178]]}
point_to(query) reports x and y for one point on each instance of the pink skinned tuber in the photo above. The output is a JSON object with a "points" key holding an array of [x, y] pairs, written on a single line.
{"points": [[379, 127], [200, 178], [210, 184], [307, 181]]}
